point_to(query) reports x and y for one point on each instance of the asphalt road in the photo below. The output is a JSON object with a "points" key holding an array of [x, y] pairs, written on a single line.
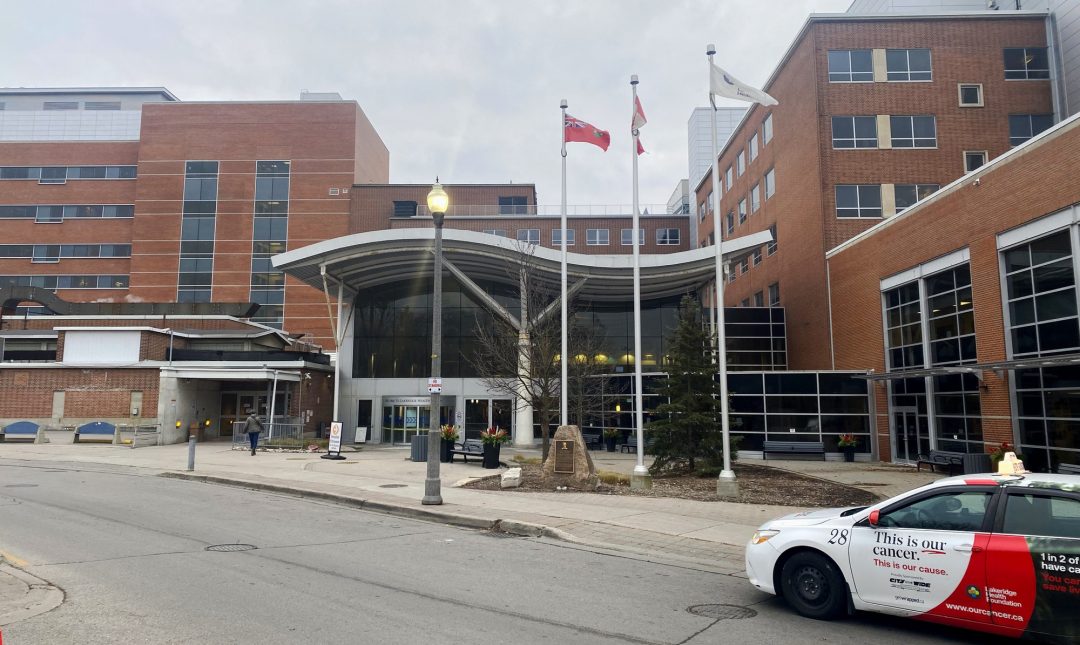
{"points": [[130, 552]]}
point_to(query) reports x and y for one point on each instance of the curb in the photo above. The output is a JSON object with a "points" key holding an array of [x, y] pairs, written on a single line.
{"points": [[40, 596]]}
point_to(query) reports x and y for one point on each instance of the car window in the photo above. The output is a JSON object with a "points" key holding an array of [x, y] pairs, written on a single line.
{"points": [[956, 511], [1042, 515]]}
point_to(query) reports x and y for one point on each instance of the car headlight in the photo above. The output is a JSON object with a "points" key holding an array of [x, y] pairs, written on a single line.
{"points": [[761, 537]]}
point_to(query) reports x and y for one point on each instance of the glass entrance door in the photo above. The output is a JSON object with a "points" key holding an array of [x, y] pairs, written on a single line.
{"points": [[910, 439], [403, 422], [481, 414]]}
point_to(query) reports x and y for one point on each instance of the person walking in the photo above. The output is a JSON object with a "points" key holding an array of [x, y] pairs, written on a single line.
{"points": [[253, 427]]}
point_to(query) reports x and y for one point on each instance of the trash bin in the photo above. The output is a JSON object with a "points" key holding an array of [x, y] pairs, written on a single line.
{"points": [[976, 462], [419, 447]]}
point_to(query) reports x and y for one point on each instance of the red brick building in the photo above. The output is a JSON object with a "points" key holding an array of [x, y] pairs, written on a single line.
{"points": [[874, 114]]}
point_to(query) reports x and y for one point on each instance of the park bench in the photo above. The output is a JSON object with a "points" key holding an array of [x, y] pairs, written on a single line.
{"points": [[630, 445], [952, 461], [20, 431], [468, 448], [592, 439], [793, 448], [1069, 469], [99, 431]]}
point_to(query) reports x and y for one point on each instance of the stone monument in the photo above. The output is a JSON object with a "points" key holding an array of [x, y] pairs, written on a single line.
{"points": [[569, 462]]}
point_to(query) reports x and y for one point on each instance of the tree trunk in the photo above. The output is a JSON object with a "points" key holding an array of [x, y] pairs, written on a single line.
{"points": [[545, 431]]}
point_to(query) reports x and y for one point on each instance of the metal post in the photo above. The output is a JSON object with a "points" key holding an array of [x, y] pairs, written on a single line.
{"points": [[640, 479], [339, 336], [432, 485], [190, 452], [725, 485], [273, 402], [564, 384]]}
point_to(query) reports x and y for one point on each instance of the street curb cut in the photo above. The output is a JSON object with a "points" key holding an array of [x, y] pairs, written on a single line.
{"points": [[41, 596]]}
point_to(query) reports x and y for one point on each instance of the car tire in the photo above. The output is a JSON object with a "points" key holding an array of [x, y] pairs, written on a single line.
{"points": [[813, 586]]}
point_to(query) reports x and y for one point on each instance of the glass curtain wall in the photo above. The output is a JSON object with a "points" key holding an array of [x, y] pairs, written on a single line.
{"points": [[197, 232], [1041, 315], [269, 235]]}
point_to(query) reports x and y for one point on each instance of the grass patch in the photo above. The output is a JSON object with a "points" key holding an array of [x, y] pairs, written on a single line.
{"points": [[522, 459], [296, 443], [613, 478]]}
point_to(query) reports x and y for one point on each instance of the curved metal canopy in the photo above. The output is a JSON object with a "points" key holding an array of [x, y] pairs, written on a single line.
{"points": [[371, 259]]}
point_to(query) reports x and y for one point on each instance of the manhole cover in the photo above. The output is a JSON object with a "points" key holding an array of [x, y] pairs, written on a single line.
{"points": [[231, 547], [393, 485], [722, 612], [20, 486]]}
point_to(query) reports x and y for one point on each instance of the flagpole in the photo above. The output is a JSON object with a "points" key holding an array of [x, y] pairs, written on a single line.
{"points": [[563, 356], [641, 477], [725, 484]]}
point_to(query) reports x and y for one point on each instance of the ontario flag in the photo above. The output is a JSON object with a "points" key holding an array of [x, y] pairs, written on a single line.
{"points": [[577, 130], [636, 123]]}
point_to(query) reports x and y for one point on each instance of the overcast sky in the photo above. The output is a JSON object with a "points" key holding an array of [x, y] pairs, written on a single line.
{"points": [[465, 89]]}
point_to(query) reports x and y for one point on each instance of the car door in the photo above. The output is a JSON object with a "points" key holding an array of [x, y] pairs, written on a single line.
{"points": [[923, 551], [1033, 581]]}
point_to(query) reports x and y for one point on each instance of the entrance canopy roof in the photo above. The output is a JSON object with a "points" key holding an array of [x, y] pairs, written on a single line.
{"points": [[380, 257]]}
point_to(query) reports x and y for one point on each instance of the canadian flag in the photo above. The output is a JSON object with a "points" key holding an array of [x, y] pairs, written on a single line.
{"points": [[638, 121]]}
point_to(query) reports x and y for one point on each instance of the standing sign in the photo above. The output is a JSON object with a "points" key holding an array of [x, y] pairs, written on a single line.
{"points": [[333, 448]]}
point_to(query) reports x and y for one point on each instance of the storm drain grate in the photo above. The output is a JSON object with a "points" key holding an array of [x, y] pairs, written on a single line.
{"points": [[229, 548], [722, 612], [392, 485]]}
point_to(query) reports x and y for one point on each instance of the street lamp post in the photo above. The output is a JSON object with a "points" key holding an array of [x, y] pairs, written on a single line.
{"points": [[437, 201]]}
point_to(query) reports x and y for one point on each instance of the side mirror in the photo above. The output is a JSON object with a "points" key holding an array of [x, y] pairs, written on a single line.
{"points": [[873, 518]]}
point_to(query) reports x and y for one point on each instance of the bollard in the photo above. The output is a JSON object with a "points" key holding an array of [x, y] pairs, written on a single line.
{"points": [[191, 453]]}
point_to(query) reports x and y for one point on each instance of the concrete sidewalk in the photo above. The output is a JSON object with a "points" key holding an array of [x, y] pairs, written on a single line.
{"points": [[706, 534]]}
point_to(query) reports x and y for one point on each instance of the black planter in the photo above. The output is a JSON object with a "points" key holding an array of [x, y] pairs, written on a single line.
{"points": [[491, 455], [444, 451], [849, 453], [609, 444]]}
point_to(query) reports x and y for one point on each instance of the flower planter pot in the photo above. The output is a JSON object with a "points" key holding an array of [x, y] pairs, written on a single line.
{"points": [[444, 451], [491, 455], [609, 444], [849, 453]]}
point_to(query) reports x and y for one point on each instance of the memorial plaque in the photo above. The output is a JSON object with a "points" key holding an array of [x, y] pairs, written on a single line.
{"points": [[564, 457]]}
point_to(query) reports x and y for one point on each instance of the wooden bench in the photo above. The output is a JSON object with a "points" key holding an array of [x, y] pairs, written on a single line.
{"points": [[1069, 469], [99, 431], [793, 448], [468, 448], [20, 431], [953, 461]]}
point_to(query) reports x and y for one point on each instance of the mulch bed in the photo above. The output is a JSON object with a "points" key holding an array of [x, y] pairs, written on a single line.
{"points": [[757, 485]]}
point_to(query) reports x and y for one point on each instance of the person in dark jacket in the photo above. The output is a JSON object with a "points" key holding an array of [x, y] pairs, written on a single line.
{"points": [[253, 427]]}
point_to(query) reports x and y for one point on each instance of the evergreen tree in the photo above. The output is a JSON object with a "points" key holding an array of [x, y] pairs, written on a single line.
{"points": [[685, 431]]}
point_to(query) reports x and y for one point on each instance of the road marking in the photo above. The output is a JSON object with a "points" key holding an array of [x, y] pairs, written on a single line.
{"points": [[13, 560]]}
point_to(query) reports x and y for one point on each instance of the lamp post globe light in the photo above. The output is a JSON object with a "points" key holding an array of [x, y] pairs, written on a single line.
{"points": [[437, 201]]}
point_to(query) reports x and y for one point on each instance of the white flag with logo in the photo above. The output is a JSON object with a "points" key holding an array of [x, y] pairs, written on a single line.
{"points": [[723, 84]]}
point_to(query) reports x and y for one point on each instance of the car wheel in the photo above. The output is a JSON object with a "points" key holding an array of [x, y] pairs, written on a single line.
{"points": [[813, 585]]}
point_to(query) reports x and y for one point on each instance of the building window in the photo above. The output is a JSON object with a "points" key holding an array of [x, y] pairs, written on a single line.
{"points": [[627, 236], [1042, 297], [771, 247], [54, 282], [903, 327], [101, 105], [740, 163], [728, 177], [971, 94], [597, 237], [751, 149], [770, 183], [513, 205], [774, 294], [499, 232], [197, 226], [701, 211], [1026, 63], [862, 200], [270, 234], [851, 66], [745, 302], [1024, 126], [766, 130], [744, 266], [404, 208], [974, 159], [913, 131], [668, 237], [709, 202], [907, 195], [529, 235], [756, 255], [854, 132], [951, 317], [60, 105], [731, 221], [759, 299], [907, 64], [556, 237], [742, 210], [755, 198]]}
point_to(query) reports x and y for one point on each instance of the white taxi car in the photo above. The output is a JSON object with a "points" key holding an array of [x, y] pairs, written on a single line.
{"points": [[995, 553]]}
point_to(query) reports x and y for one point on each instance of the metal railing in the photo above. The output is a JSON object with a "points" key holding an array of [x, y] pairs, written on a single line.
{"points": [[283, 431], [533, 210], [143, 435]]}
